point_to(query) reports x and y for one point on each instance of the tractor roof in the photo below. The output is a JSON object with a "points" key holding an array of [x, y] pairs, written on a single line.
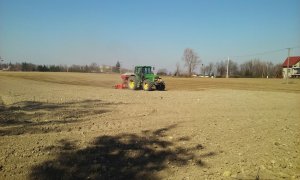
{"points": [[143, 66]]}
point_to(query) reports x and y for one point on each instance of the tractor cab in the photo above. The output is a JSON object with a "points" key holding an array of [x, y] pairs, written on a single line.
{"points": [[143, 70], [144, 73]]}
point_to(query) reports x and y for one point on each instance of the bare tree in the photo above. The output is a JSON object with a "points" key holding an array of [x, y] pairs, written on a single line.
{"points": [[162, 72], [94, 67], [254, 68], [221, 68], [191, 60], [277, 70], [233, 68], [177, 71], [210, 68], [206, 71]]}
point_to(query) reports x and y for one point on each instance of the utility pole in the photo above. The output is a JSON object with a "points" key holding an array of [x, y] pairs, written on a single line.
{"points": [[227, 67], [288, 66]]}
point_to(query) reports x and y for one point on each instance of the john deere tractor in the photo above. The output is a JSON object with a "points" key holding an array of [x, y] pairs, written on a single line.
{"points": [[143, 77]]}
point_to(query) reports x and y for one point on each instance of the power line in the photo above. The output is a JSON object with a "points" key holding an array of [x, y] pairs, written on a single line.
{"points": [[257, 54], [266, 52]]}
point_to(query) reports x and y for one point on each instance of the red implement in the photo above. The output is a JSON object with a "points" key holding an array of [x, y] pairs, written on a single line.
{"points": [[120, 86], [124, 77]]}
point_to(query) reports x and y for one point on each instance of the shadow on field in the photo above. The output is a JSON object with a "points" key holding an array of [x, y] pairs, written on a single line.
{"points": [[124, 156], [39, 117]]}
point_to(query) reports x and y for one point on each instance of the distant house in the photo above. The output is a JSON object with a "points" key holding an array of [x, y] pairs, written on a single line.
{"points": [[105, 68], [291, 68]]}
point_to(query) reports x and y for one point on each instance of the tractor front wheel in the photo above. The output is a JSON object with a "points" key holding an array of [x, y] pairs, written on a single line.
{"points": [[147, 85], [132, 84]]}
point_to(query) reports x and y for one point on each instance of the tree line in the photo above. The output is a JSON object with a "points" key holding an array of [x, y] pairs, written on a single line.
{"points": [[93, 67], [253, 68]]}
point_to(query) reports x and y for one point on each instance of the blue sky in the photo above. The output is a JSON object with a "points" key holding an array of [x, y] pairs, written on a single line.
{"points": [[149, 32]]}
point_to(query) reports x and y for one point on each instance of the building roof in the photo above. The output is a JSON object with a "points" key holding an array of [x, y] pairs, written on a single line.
{"points": [[293, 60]]}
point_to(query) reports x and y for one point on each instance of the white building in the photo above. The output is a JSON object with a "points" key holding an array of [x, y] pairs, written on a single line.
{"points": [[291, 67]]}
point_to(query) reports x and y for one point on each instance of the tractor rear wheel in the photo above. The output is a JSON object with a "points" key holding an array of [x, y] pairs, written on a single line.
{"points": [[160, 87], [132, 83], [147, 85]]}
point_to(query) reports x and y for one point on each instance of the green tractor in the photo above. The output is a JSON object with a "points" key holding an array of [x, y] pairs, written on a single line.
{"points": [[143, 77]]}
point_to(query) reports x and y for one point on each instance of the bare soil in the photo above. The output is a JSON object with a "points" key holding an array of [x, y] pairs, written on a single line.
{"points": [[76, 126]]}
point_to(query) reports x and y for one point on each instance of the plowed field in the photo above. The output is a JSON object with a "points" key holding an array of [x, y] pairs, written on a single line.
{"points": [[76, 126]]}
